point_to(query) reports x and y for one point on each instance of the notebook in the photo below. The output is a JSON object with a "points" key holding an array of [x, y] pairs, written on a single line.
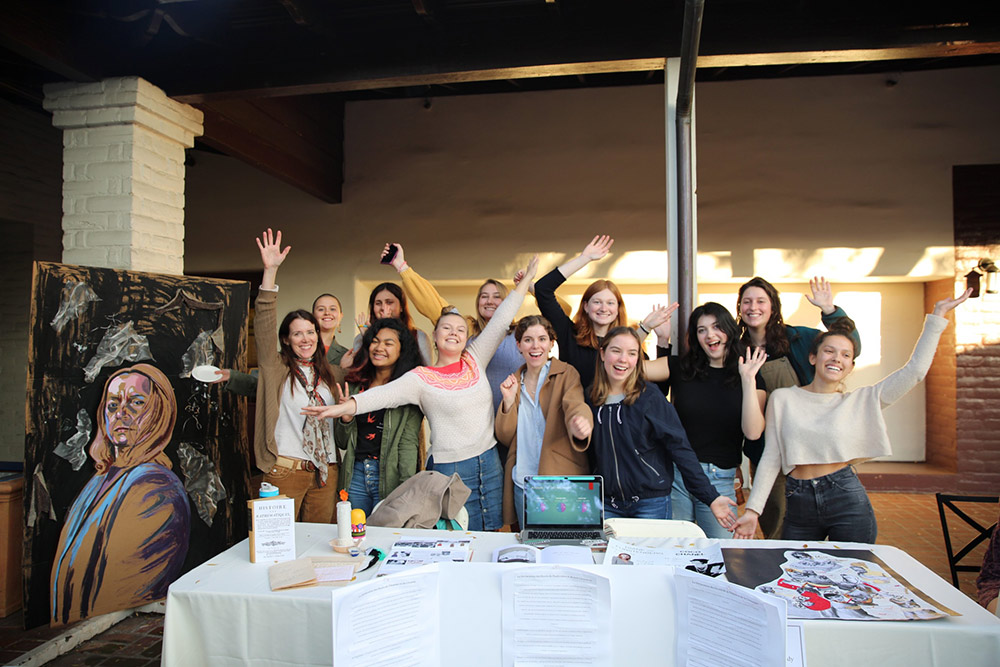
{"points": [[564, 510]]}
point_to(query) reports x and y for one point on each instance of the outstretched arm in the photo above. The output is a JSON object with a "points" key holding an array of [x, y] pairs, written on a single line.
{"points": [[752, 414], [598, 248]]}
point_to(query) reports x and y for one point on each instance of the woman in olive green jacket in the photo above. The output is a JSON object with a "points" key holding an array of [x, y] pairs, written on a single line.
{"points": [[382, 445]]}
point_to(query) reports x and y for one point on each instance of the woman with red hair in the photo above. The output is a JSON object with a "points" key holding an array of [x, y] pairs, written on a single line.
{"points": [[601, 309], [126, 534]]}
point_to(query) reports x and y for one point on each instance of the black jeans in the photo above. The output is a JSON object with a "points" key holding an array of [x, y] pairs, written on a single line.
{"points": [[833, 507]]}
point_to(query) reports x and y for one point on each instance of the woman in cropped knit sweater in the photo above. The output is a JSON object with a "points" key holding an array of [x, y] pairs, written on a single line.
{"points": [[456, 398], [816, 432]]}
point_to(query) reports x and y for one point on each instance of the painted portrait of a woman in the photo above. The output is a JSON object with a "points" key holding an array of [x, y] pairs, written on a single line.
{"points": [[126, 534]]}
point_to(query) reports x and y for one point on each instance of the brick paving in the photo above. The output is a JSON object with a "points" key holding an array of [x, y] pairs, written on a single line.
{"points": [[908, 521]]}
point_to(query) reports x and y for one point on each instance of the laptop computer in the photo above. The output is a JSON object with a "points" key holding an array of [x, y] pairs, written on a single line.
{"points": [[564, 510]]}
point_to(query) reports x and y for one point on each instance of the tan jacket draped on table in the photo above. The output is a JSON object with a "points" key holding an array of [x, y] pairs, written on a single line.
{"points": [[561, 399]]}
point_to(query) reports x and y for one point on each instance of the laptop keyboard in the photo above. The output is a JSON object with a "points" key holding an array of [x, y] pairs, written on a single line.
{"points": [[564, 535]]}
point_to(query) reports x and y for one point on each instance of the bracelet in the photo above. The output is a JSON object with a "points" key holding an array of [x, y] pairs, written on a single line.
{"points": [[642, 326]]}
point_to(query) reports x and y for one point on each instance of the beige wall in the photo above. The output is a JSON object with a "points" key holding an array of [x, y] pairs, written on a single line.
{"points": [[844, 176]]}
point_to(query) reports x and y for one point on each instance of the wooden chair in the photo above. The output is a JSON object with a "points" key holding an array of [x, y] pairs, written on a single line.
{"points": [[983, 533]]}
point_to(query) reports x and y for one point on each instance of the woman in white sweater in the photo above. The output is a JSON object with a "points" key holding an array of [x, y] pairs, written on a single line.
{"points": [[456, 398], [815, 434]]}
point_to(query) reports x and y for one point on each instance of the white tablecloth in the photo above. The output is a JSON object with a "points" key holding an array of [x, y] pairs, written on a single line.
{"points": [[224, 613]]}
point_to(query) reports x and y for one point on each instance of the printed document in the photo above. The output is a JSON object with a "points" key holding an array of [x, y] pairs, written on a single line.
{"points": [[555, 616]]}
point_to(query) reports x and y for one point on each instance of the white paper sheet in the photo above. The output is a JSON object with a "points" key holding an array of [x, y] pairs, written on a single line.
{"points": [[392, 621], [555, 616], [795, 645], [706, 559], [719, 623]]}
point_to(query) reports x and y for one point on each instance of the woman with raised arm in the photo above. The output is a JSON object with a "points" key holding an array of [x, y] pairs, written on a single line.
{"points": [[296, 453], [456, 398], [328, 312], [543, 419], [762, 325], [720, 398], [601, 309], [638, 439], [388, 300], [816, 433], [380, 447]]}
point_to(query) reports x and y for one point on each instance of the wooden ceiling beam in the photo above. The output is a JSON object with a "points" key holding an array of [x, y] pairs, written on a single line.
{"points": [[430, 75], [297, 141]]}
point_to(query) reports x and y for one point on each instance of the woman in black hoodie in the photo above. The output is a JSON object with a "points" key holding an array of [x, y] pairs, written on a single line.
{"points": [[637, 438]]}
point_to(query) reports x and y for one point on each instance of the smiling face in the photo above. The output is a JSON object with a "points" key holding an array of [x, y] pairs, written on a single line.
{"points": [[302, 338], [755, 307], [602, 308], [834, 359], [451, 334], [384, 350], [712, 339], [619, 359], [386, 305], [535, 346], [489, 300], [126, 408], [327, 312]]}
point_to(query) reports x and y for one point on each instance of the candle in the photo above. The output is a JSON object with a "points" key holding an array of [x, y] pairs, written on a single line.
{"points": [[344, 519]]}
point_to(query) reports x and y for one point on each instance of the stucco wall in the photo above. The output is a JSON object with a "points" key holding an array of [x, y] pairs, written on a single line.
{"points": [[845, 176]]}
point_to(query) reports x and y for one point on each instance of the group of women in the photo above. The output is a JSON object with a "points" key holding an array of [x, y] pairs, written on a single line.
{"points": [[501, 409]]}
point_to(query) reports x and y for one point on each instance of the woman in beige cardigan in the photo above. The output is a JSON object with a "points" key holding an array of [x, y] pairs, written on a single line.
{"points": [[543, 416]]}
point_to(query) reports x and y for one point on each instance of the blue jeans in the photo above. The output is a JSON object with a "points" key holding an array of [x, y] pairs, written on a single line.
{"points": [[640, 508], [688, 508], [484, 477], [833, 507], [519, 505], [363, 490]]}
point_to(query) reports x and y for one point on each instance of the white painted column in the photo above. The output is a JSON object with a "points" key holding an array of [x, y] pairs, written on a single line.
{"points": [[123, 173]]}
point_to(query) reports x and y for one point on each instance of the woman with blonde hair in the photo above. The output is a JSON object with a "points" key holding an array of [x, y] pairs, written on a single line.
{"points": [[456, 398], [637, 439]]}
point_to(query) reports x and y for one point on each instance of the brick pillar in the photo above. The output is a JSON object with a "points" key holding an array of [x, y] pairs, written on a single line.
{"points": [[123, 173], [977, 331]]}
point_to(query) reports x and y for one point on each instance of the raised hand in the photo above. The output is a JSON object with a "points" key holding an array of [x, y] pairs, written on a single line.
{"points": [[528, 277], [663, 333], [362, 321], [271, 253], [347, 360], [822, 294], [398, 261], [944, 306], [341, 394], [751, 363], [579, 428], [598, 247], [508, 389], [659, 316]]}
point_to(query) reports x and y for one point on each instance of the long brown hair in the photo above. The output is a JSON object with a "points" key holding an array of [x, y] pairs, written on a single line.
{"points": [[289, 358], [156, 431], [585, 336], [635, 383], [775, 335]]}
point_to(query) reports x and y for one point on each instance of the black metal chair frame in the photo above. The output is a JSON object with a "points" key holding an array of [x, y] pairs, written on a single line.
{"points": [[984, 532]]}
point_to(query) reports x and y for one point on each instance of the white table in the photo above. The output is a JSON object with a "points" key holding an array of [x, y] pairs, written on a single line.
{"points": [[224, 613]]}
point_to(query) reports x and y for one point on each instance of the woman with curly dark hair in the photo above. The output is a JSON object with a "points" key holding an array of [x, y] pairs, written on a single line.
{"points": [[719, 397], [381, 446]]}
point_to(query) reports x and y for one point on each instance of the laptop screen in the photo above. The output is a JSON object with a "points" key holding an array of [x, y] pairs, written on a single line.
{"points": [[556, 501]]}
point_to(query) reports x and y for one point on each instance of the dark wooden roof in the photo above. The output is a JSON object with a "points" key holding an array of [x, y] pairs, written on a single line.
{"points": [[244, 61]]}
